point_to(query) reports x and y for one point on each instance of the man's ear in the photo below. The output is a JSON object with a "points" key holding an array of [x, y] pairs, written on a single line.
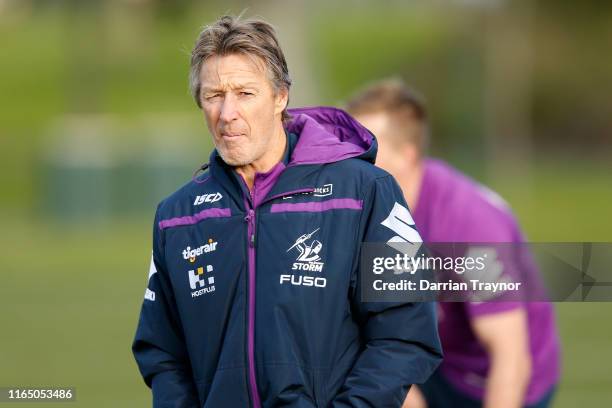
{"points": [[280, 101]]}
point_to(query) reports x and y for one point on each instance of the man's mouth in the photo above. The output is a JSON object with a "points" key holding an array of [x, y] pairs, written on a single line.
{"points": [[231, 135]]}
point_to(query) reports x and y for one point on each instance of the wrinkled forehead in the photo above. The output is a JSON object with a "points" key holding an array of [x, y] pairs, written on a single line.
{"points": [[233, 71]]}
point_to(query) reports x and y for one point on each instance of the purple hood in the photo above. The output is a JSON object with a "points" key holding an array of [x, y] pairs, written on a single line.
{"points": [[327, 135]]}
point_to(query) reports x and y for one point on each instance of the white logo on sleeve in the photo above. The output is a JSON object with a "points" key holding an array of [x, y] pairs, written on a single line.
{"points": [[149, 294], [400, 221]]}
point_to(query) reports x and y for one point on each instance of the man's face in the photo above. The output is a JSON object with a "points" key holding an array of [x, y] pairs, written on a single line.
{"points": [[240, 107], [393, 156]]}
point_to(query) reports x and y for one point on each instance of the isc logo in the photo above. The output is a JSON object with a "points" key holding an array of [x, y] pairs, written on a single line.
{"points": [[207, 198]]}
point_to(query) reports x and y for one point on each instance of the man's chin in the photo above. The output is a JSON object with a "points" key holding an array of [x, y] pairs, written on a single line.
{"points": [[232, 160]]}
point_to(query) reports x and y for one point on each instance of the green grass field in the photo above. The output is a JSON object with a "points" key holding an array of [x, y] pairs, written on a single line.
{"points": [[70, 301], [71, 295]]}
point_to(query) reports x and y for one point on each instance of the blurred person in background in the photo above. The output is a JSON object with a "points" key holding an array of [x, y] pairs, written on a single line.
{"points": [[496, 354], [253, 296]]}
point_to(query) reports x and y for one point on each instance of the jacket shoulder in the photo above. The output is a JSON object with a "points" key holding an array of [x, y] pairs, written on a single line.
{"points": [[184, 200], [362, 169]]}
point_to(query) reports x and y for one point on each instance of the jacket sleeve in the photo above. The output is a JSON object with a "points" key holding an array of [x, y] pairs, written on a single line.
{"points": [[159, 346], [400, 344]]}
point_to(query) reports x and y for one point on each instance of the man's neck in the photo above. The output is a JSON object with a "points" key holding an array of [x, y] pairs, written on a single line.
{"points": [[272, 156], [410, 182]]}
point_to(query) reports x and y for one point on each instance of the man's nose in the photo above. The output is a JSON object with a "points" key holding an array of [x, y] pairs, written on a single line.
{"points": [[229, 108]]}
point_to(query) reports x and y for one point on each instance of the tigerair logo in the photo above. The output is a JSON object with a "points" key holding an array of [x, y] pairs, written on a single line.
{"points": [[308, 260], [201, 281], [192, 254]]}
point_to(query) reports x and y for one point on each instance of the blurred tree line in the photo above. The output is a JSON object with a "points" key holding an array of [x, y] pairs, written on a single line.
{"points": [[503, 79]]}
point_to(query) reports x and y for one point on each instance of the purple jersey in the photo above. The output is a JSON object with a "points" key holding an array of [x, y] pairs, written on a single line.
{"points": [[453, 208]]}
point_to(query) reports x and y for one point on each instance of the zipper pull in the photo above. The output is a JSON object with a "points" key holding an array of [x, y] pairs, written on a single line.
{"points": [[249, 218]]}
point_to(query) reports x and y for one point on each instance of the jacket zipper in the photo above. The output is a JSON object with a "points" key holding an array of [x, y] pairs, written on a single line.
{"points": [[251, 222], [250, 218]]}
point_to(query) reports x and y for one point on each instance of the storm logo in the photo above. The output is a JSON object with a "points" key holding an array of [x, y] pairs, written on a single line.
{"points": [[308, 258]]}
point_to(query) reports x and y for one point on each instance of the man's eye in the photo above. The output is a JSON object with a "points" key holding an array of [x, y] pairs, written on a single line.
{"points": [[244, 93], [211, 96]]}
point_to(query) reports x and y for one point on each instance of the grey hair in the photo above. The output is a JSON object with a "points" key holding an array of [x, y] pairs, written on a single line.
{"points": [[251, 37]]}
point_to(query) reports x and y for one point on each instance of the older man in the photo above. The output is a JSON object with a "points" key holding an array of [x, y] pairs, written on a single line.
{"points": [[253, 296], [497, 354]]}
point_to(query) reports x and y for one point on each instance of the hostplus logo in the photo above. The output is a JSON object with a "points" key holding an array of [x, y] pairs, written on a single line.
{"points": [[192, 254], [201, 281], [308, 260]]}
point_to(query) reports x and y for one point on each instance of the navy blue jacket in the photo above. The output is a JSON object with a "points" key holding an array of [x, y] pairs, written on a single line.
{"points": [[253, 298]]}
